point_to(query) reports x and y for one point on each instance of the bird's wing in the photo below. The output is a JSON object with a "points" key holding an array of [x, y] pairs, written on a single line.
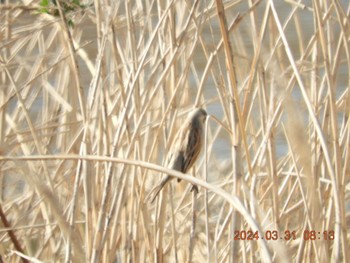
{"points": [[192, 149], [176, 155]]}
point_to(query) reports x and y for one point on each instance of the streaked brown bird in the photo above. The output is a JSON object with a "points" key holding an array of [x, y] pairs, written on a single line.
{"points": [[185, 148]]}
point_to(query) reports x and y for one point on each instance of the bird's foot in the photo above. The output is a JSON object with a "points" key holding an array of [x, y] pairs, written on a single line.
{"points": [[194, 188]]}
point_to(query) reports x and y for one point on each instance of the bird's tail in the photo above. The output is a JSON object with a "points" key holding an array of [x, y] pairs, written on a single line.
{"points": [[155, 191]]}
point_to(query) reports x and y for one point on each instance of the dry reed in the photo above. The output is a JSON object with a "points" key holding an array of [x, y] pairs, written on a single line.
{"points": [[88, 112]]}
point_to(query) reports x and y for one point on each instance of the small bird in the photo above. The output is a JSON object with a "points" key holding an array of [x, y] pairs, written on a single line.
{"points": [[185, 148]]}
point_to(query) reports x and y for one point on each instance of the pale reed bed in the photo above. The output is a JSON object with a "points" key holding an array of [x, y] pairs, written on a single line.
{"points": [[91, 99]]}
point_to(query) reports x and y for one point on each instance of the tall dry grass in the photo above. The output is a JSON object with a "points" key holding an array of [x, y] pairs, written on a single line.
{"points": [[88, 113]]}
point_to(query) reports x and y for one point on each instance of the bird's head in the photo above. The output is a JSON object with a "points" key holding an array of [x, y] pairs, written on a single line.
{"points": [[199, 114]]}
